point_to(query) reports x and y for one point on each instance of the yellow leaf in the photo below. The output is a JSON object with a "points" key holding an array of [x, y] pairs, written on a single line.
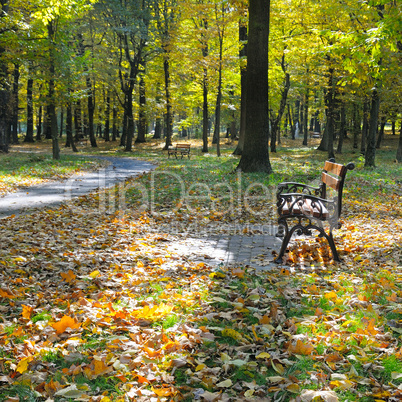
{"points": [[225, 384], [263, 355], [27, 311], [331, 296], [278, 367], [231, 333], [64, 323], [293, 388], [23, 364], [94, 274], [200, 367]]}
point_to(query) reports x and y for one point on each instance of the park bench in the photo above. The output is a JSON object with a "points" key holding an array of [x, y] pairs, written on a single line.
{"points": [[180, 149], [303, 208]]}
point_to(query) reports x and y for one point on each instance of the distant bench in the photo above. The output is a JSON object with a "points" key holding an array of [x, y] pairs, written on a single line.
{"points": [[307, 207], [180, 149]]}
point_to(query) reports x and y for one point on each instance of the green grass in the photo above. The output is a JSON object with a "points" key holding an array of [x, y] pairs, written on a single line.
{"points": [[24, 169]]}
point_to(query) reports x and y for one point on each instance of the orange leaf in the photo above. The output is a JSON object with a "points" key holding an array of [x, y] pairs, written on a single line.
{"points": [[6, 294], [301, 348], [69, 276], [265, 320], [163, 391], [392, 298], [64, 323], [27, 311], [238, 272]]}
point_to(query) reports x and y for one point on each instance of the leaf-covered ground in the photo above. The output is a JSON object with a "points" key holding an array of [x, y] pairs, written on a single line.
{"points": [[97, 307]]}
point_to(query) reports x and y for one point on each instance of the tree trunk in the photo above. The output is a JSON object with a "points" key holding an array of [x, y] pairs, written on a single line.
{"points": [[114, 118], [276, 122], [69, 128], [372, 132], [356, 125], [142, 117], [130, 122], [106, 132], [168, 98], [365, 127], [381, 132], [255, 156], [399, 150], [15, 104], [243, 86], [29, 137], [219, 97], [61, 122], [305, 116], [78, 121], [342, 130], [205, 117], [51, 109], [39, 124], [158, 129], [4, 106]]}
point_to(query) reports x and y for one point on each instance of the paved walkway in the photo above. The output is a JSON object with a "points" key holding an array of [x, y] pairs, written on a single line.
{"points": [[230, 247], [254, 250], [55, 193]]}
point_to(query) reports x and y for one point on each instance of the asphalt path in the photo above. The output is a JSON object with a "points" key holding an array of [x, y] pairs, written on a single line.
{"points": [[58, 192]]}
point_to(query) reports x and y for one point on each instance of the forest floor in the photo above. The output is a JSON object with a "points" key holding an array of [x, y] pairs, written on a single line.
{"points": [[99, 302]]}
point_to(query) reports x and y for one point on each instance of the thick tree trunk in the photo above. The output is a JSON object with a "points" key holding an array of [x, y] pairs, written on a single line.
{"points": [[243, 86], [255, 156], [372, 132], [29, 137], [158, 129]]}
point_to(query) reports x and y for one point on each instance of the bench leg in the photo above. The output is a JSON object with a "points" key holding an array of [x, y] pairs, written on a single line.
{"points": [[286, 238], [331, 242]]}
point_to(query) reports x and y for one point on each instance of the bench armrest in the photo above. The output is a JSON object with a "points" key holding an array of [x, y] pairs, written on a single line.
{"points": [[293, 187]]}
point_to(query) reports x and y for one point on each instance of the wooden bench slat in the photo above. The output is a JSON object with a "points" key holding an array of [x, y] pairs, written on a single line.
{"points": [[330, 181], [334, 168]]}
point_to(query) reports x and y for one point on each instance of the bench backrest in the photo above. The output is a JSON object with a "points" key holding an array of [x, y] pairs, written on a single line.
{"points": [[183, 146], [333, 176]]}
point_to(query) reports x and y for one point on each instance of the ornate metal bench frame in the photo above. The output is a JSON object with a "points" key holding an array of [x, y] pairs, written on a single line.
{"points": [[310, 207]]}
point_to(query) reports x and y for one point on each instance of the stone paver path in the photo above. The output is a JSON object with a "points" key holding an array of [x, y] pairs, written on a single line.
{"points": [[230, 250]]}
